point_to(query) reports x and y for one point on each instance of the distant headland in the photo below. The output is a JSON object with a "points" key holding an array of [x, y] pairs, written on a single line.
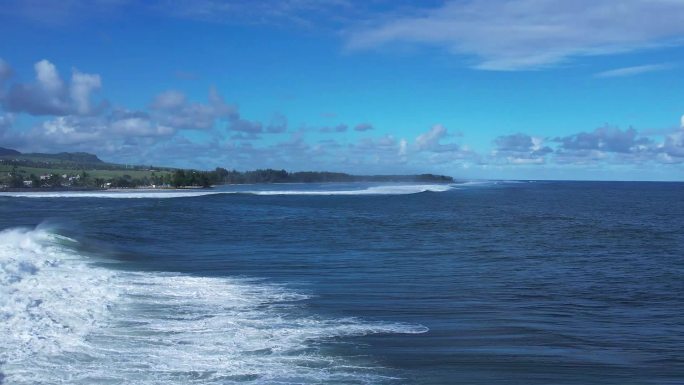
{"points": [[84, 171]]}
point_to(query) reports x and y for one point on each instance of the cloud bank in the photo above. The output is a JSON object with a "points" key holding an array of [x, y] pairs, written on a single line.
{"points": [[509, 35], [171, 129], [50, 95]]}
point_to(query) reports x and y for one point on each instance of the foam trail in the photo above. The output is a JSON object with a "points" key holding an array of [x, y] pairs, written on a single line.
{"points": [[372, 190], [375, 190], [66, 321], [491, 182]]}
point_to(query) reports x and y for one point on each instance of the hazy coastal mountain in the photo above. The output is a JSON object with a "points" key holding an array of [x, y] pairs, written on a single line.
{"points": [[62, 157], [8, 151]]}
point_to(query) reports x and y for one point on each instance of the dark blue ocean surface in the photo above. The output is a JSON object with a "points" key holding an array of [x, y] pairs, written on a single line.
{"points": [[490, 283]]}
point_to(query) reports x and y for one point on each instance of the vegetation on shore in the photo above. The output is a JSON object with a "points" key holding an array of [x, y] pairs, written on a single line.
{"points": [[87, 171]]}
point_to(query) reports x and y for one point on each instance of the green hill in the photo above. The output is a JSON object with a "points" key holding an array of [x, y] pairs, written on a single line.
{"points": [[75, 157]]}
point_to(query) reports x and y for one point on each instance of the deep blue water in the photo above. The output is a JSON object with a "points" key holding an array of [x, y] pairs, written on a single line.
{"points": [[492, 283]]}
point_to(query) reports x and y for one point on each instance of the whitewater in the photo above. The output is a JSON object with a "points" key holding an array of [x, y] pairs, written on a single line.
{"points": [[67, 319]]}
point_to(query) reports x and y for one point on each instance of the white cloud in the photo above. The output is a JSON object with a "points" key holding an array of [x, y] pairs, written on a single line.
{"points": [[673, 146], [429, 150], [521, 149], [247, 127], [403, 147], [112, 133], [139, 126], [64, 130], [606, 139], [430, 140], [47, 76], [173, 109], [635, 70], [82, 85], [530, 34], [169, 100], [48, 95]]}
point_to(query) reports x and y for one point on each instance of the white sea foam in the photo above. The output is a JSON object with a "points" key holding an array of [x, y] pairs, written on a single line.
{"points": [[114, 194], [477, 183], [65, 320], [375, 190], [485, 183], [371, 190]]}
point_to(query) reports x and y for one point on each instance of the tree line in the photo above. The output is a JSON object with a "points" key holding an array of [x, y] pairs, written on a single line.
{"points": [[183, 178], [180, 178]]}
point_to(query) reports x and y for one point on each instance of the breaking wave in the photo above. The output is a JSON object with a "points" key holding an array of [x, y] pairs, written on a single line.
{"points": [[66, 320], [375, 190], [371, 190]]}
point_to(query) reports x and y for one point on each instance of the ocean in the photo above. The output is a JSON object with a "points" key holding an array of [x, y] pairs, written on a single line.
{"points": [[471, 283]]}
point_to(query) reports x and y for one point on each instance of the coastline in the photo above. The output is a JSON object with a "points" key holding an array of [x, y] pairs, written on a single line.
{"points": [[180, 188]]}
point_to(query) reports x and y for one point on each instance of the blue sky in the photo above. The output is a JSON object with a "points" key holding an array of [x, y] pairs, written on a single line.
{"points": [[529, 89]]}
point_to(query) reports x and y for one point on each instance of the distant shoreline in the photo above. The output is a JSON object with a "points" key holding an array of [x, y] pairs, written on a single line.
{"points": [[86, 172], [171, 188]]}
